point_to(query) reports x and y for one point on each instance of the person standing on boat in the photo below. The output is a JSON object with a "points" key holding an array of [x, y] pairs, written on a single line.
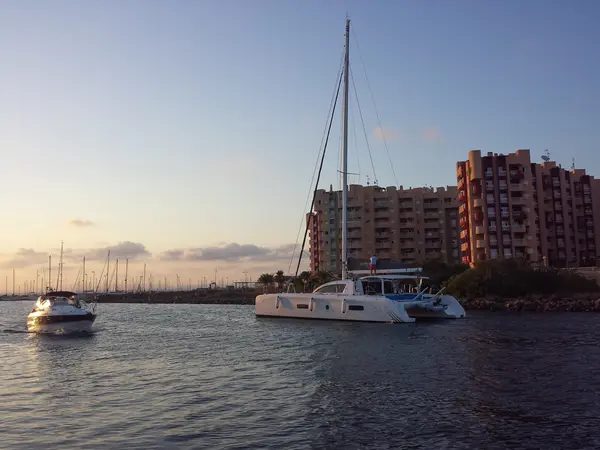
{"points": [[373, 264]]}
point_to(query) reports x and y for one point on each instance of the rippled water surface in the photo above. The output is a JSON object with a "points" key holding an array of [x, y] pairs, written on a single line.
{"points": [[200, 376]]}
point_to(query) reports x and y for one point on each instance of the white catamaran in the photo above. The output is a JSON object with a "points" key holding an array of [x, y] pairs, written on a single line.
{"points": [[379, 298]]}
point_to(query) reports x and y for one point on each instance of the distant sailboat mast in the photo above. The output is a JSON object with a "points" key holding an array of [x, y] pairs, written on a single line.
{"points": [[117, 276], [107, 270]]}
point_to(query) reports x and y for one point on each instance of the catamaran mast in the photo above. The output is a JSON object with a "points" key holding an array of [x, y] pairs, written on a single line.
{"points": [[345, 156]]}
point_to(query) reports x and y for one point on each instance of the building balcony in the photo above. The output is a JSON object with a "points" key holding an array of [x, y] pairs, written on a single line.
{"points": [[518, 228], [480, 229], [480, 243], [478, 202]]}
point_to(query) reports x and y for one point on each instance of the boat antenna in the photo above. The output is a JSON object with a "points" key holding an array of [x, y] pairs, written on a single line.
{"points": [[345, 156]]}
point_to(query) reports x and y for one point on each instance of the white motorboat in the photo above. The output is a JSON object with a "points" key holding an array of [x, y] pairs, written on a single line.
{"points": [[367, 299], [61, 311]]}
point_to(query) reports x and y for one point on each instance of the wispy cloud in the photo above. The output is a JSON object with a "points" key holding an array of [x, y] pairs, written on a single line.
{"points": [[81, 223], [24, 257], [385, 134], [27, 257], [430, 134], [122, 250], [229, 252]]}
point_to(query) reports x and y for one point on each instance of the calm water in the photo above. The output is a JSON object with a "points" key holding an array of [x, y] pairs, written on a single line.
{"points": [[200, 376]]}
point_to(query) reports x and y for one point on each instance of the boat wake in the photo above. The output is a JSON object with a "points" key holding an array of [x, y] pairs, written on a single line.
{"points": [[54, 333]]}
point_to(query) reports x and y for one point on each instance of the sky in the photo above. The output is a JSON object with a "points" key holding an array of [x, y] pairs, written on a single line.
{"points": [[184, 135]]}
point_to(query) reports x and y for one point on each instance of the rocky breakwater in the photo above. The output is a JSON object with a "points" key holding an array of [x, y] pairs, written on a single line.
{"points": [[205, 296], [536, 303]]}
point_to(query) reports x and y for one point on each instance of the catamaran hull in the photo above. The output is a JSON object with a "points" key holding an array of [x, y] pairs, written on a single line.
{"points": [[331, 307], [44, 323], [448, 308]]}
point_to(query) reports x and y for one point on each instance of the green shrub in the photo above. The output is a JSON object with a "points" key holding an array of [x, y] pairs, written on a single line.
{"points": [[440, 273], [515, 278]]}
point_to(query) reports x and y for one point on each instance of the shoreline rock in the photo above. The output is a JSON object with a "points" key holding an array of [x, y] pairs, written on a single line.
{"points": [[536, 303]]}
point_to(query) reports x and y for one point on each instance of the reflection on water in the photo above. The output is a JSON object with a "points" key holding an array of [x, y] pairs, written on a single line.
{"points": [[199, 376]]}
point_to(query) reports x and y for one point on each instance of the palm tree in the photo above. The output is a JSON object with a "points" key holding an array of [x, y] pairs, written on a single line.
{"points": [[321, 277], [279, 278], [266, 279]]}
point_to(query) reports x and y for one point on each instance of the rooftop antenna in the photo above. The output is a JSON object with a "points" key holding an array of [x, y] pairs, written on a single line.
{"points": [[368, 180], [546, 157], [572, 163]]}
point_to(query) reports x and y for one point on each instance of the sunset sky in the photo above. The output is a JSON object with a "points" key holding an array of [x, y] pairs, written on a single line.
{"points": [[184, 134]]}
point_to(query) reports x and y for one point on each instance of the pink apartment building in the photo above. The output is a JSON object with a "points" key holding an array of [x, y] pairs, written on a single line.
{"points": [[510, 207]]}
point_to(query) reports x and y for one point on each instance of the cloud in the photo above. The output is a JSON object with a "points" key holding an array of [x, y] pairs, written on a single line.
{"points": [[81, 223], [229, 252], [430, 134], [122, 250], [25, 257], [385, 134]]}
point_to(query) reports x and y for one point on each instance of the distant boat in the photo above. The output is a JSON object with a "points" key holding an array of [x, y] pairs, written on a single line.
{"points": [[368, 299], [61, 311]]}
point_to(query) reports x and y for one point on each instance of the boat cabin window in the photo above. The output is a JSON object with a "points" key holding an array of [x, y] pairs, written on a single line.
{"points": [[389, 287], [331, 289], [372, 287], [356, 307]]}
